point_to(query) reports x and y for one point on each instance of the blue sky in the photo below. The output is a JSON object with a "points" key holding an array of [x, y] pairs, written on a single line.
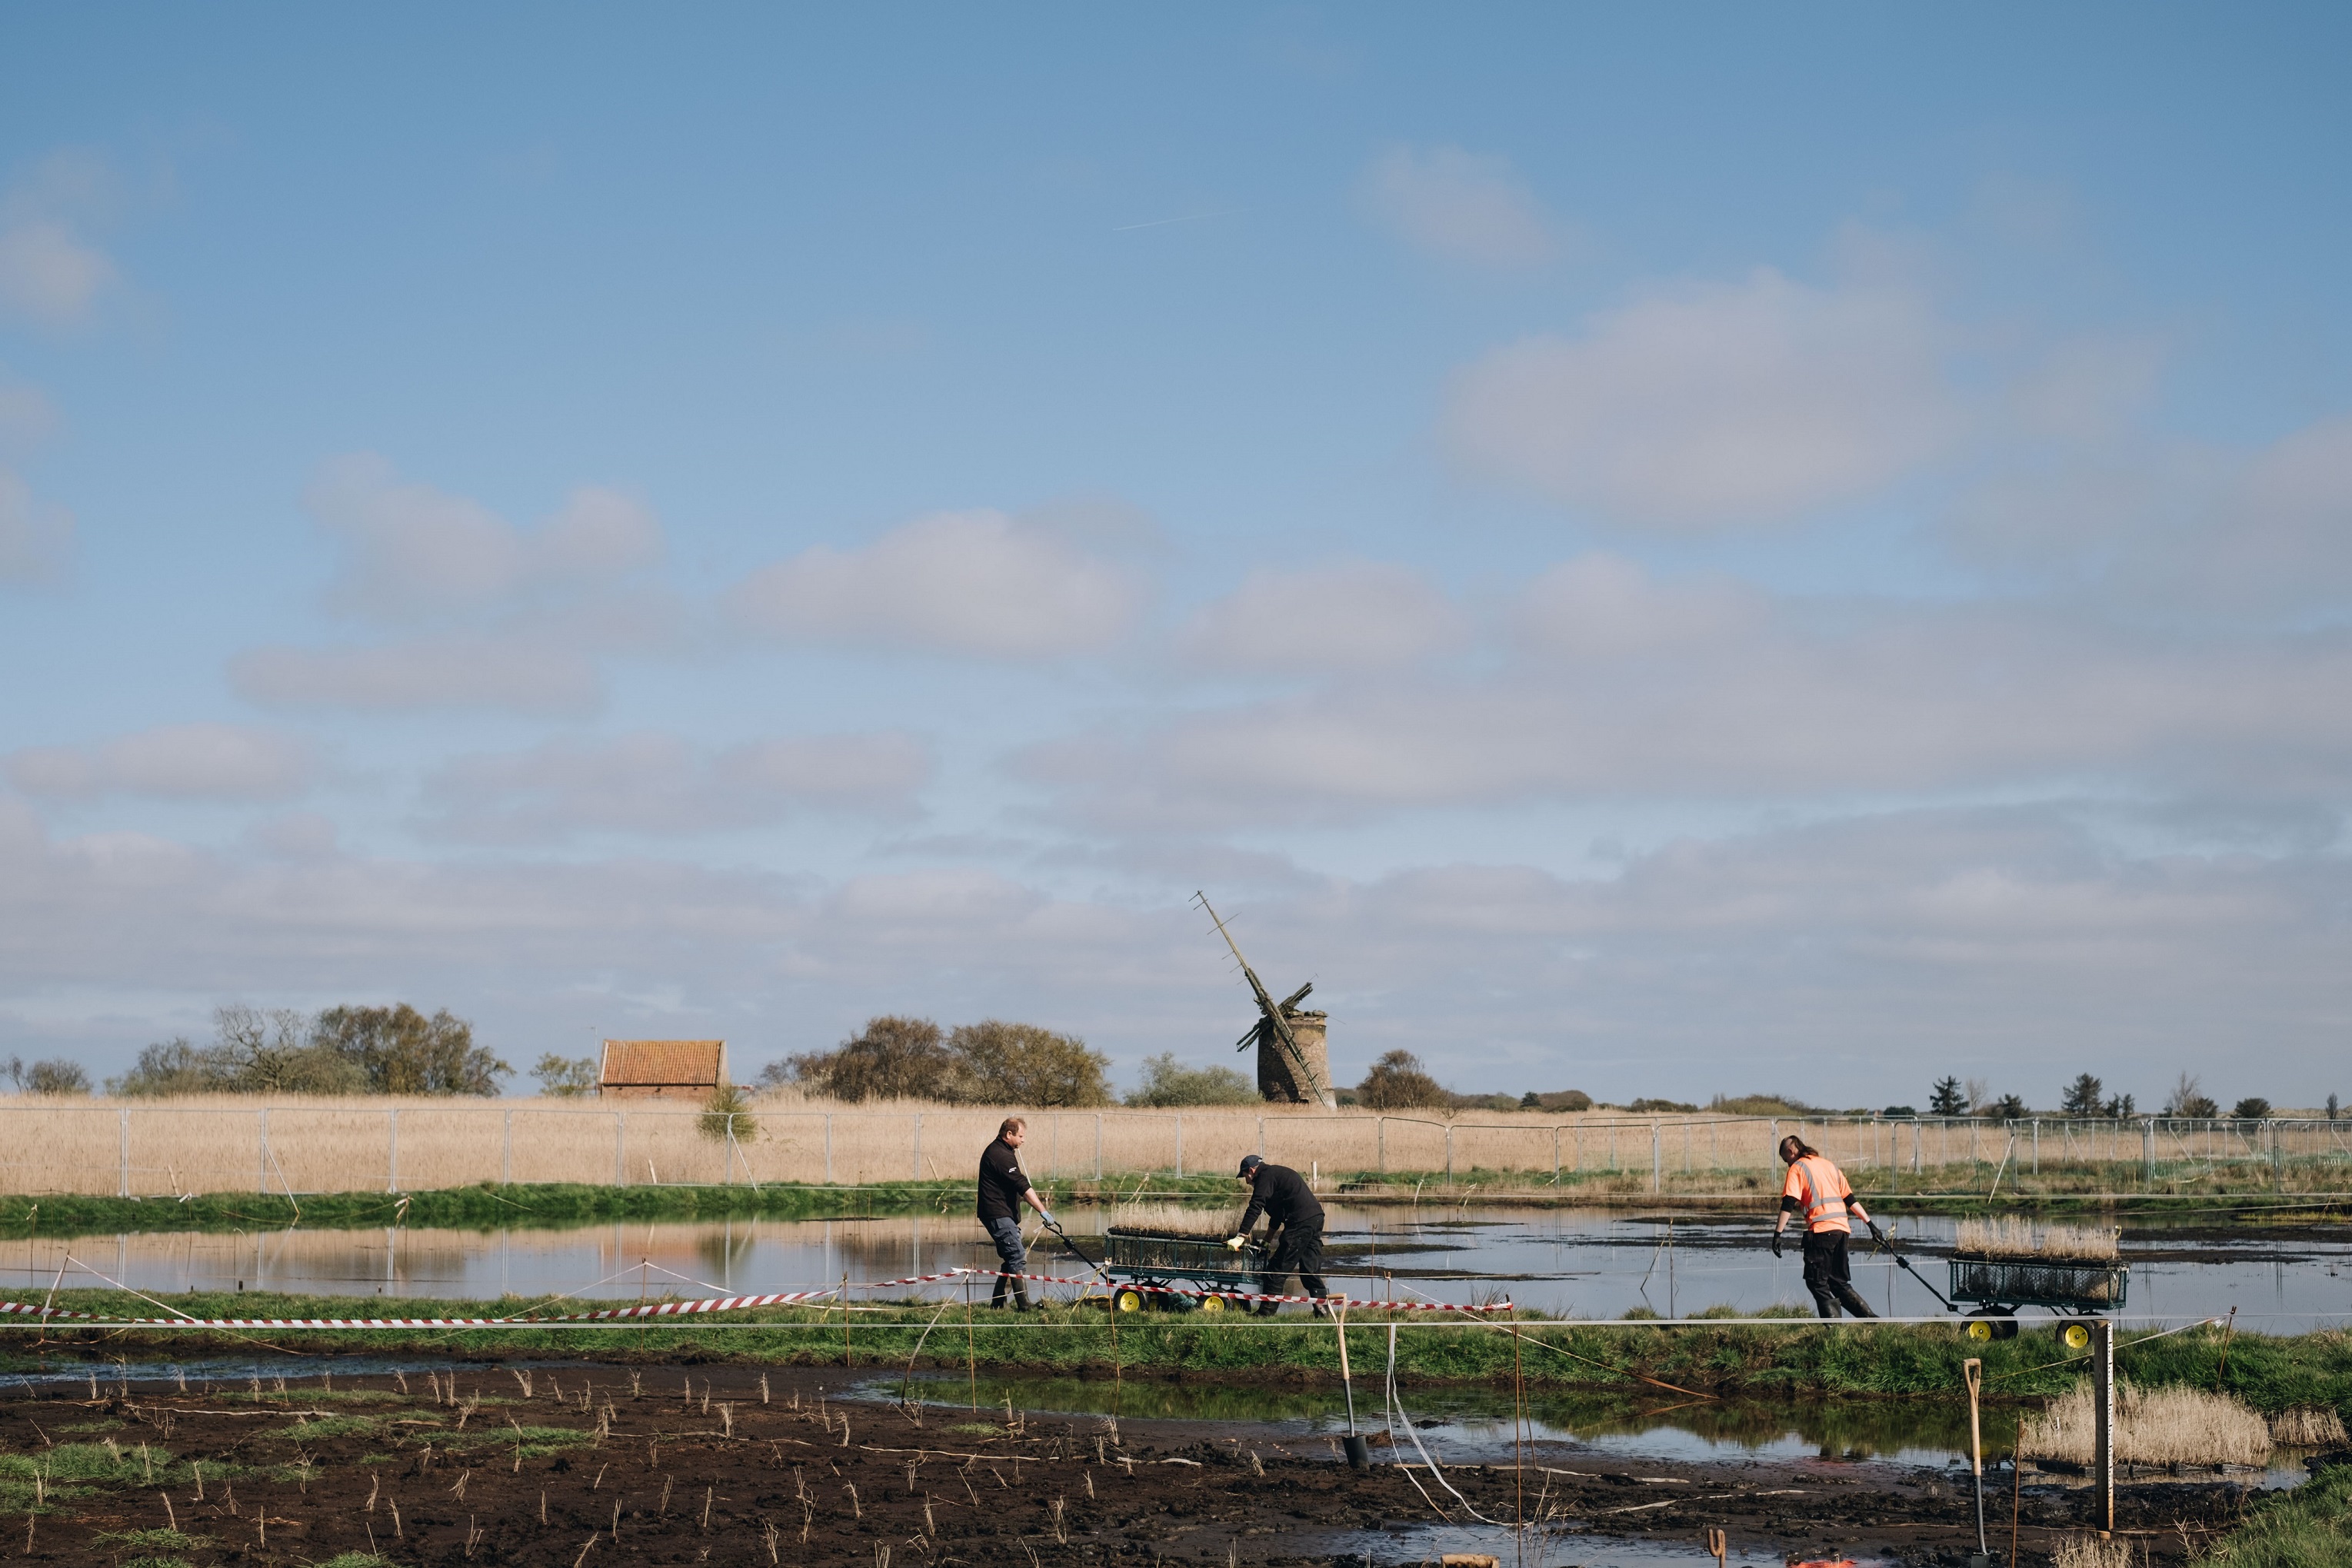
{"points": [[1666, 553]]}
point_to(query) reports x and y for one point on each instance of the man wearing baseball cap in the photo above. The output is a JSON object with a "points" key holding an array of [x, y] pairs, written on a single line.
{"points": [[1294, 1224]]}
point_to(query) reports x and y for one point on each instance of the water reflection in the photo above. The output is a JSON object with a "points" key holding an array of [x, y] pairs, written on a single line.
{"points": [[1476, 1423], [1589, 1264]]}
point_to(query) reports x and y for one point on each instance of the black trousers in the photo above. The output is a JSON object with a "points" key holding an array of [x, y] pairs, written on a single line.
{"points": [[1299, 1250], [1828, 1278]]}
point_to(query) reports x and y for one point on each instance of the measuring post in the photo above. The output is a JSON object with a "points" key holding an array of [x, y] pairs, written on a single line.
{"points": [[1657, 1162], [2103, 1423]]}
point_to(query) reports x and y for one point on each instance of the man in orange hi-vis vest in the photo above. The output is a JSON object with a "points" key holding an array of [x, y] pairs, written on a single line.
{"points": [[1818, 1194]]}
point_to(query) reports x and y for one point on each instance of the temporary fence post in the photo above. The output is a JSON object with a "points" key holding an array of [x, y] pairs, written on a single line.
{"points": [[1657, 1162], [1053, 1144], [2148, 1148], [1097, 1145], [1261, 1137], [1180, 1145], [2103, 1422], [1380, 1132], [505, 1153], [918, 1148], [2037, 1145], [1449, 1156], [123, 1185], [727, 1171], [261, 1152], [1554, 1157], [620, 1174], [828, 1148], [2278, 1164], [1918, 1138], [391, 1150]]}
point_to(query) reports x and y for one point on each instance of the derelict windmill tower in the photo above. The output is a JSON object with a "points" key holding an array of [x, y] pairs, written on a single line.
{"points": [[1293, 1066]]}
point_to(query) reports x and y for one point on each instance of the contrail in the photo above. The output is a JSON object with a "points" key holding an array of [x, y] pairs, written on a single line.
{"points": [[1188, 218]]}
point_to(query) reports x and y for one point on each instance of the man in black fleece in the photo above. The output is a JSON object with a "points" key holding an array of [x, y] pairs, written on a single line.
{"points": [[1294, 1221], [1003, 1187]]}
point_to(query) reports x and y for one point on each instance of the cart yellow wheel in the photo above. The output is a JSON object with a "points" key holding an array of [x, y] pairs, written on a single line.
{"points": [[2075, 1336], [1128, 1301], [1980, 1328], [1212, 1304]]}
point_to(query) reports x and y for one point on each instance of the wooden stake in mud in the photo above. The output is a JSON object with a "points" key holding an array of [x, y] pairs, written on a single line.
{"points": [[1972, 1372]]}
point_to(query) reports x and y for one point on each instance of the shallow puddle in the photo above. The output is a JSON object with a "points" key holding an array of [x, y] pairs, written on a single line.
{"points": [[1476, 1425]]}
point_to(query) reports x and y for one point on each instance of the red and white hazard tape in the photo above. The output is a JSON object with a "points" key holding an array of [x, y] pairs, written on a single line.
{"points": [[696, 1307]]}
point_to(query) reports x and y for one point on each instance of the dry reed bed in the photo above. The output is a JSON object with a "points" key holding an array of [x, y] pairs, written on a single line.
{"points": [[2304, 1427], [2090, 1552], [152, 1148], [2013, 1238], [2153, 1426]]}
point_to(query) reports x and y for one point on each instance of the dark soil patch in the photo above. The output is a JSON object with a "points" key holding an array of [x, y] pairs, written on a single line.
{"points": [[598, 1464]]}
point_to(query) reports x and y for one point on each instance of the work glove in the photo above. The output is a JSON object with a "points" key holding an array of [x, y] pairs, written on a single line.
{"points": [[1235, 1243], [1045, 1218], [1776, 1244]]}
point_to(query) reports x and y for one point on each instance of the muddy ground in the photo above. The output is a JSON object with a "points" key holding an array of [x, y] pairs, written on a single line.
{"points": [[591, 1465]]}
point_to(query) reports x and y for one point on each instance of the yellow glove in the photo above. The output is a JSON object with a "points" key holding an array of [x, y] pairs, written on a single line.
{"points": [[1237, 1243]]}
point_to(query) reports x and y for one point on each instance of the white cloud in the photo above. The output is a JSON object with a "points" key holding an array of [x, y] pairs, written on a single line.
{"points": [[2088, 389], [1458, 205], [49, 272], [413, 550], [186, 761], [502, 617], [1715, 405], [2178, 529], [1604, 605], [28, 417], [658, 783], [1629, 689], [36, 537], [2277, 540], [1884, 949], [515, 672], [1348, 616], [977, 583]]}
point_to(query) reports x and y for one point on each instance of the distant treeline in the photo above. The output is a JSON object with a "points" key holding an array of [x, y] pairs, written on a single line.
{"points": [[342, 1051]]}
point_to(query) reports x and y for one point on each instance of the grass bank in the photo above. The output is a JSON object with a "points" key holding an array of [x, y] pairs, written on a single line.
{"points": [[1801, 1358], [480, 1207], [2308, 1527], [492, 1206]]}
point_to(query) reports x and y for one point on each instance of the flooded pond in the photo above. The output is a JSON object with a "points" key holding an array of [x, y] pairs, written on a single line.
{"points": [[1585, 1262]]}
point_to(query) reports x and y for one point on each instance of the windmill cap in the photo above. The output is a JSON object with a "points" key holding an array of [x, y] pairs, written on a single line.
{"points": [[1249, 1163]]}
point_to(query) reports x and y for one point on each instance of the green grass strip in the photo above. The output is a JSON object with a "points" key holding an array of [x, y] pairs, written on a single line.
{"points": [[1799, 1358]]}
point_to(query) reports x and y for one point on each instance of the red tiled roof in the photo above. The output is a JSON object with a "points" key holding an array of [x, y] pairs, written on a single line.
{"points": [[663, 1062]]}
